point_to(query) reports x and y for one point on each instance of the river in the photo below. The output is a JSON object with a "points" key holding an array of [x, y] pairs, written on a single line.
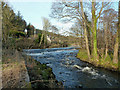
{"points": [[73, 72]]}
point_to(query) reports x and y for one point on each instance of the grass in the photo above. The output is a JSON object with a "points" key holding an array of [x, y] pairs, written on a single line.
{"points": [[102, 62], [41, 76], [14, 71], [13, 75], [82, 54]]}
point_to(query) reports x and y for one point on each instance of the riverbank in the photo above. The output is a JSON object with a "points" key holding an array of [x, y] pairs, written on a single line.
{"points": [[14, 71], [41, 76], [73, 72], [21, 71], [107, 63]]}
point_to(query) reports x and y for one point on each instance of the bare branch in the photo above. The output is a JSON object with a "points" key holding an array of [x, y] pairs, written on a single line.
{"points": [[100, 10], [103, 6], [70, 5]]}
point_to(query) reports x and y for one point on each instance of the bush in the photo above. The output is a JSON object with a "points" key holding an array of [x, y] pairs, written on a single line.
{"points": [[25, 43], [17, 34], [37, 40]]}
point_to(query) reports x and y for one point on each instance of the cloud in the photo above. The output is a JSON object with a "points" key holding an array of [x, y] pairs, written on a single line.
{"points": [[64, 27]]}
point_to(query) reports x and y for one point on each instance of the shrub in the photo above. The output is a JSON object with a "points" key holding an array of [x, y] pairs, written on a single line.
{"points": [[17, 34]]}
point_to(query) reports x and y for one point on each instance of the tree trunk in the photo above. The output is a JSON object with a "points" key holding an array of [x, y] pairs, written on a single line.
{"points": [[106, 41], [94, 22], [87, 43], [95, 42], [116, 46], [115, 56], [85, 32], [41, 40], [119, 31]]}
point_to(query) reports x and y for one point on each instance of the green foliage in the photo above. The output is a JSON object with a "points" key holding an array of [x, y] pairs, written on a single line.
{"points": [[11, 22], [82, 54], [17, 34], [41, 76], [42, 69], [10, 43], [30, 29], [108, 58], [39, 38], [102, 62]]}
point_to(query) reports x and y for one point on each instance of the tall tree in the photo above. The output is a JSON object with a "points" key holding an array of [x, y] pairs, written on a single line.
{"points": [[46, 27], [109, 20], [119, 24], [8, 16], [119, 31], [115, 56], [85, 31], [95, 17], [11, 22], [54, 29], [71, 11]]}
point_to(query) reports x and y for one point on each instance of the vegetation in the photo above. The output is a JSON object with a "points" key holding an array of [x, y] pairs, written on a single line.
{"points": [[106, 63], [15, 39], [95, 30], [41, 76], [13, 24], [98, 29], [14, 71]]}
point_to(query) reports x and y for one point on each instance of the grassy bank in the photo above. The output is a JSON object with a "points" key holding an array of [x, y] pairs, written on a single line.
{"points": [[41, 76], [15, 69], [14, 72], [104, 63], [21, 71]]}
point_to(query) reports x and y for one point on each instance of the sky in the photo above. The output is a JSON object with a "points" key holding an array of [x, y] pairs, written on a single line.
{"points": [[33, 11]]}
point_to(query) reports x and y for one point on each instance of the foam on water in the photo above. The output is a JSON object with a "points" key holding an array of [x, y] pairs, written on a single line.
{"points": [[71, 70], [87, 69], [52, 52], [76, 66]]}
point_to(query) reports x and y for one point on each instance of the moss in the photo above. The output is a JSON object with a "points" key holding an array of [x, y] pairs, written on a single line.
{"points": [[41, 75], [27, 86], [108, 58], [82, 54], [105, 63], [45, 74]]}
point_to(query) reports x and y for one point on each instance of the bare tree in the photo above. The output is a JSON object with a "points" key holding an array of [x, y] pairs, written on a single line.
{"points": [[109, 20], [46, 26], [70, 11], [95, 16], [85, 31], [54, 29], [115, 56], [76, 29]]}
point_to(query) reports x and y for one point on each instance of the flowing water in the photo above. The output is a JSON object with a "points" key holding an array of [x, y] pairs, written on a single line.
{"points": [[73, 72]]}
